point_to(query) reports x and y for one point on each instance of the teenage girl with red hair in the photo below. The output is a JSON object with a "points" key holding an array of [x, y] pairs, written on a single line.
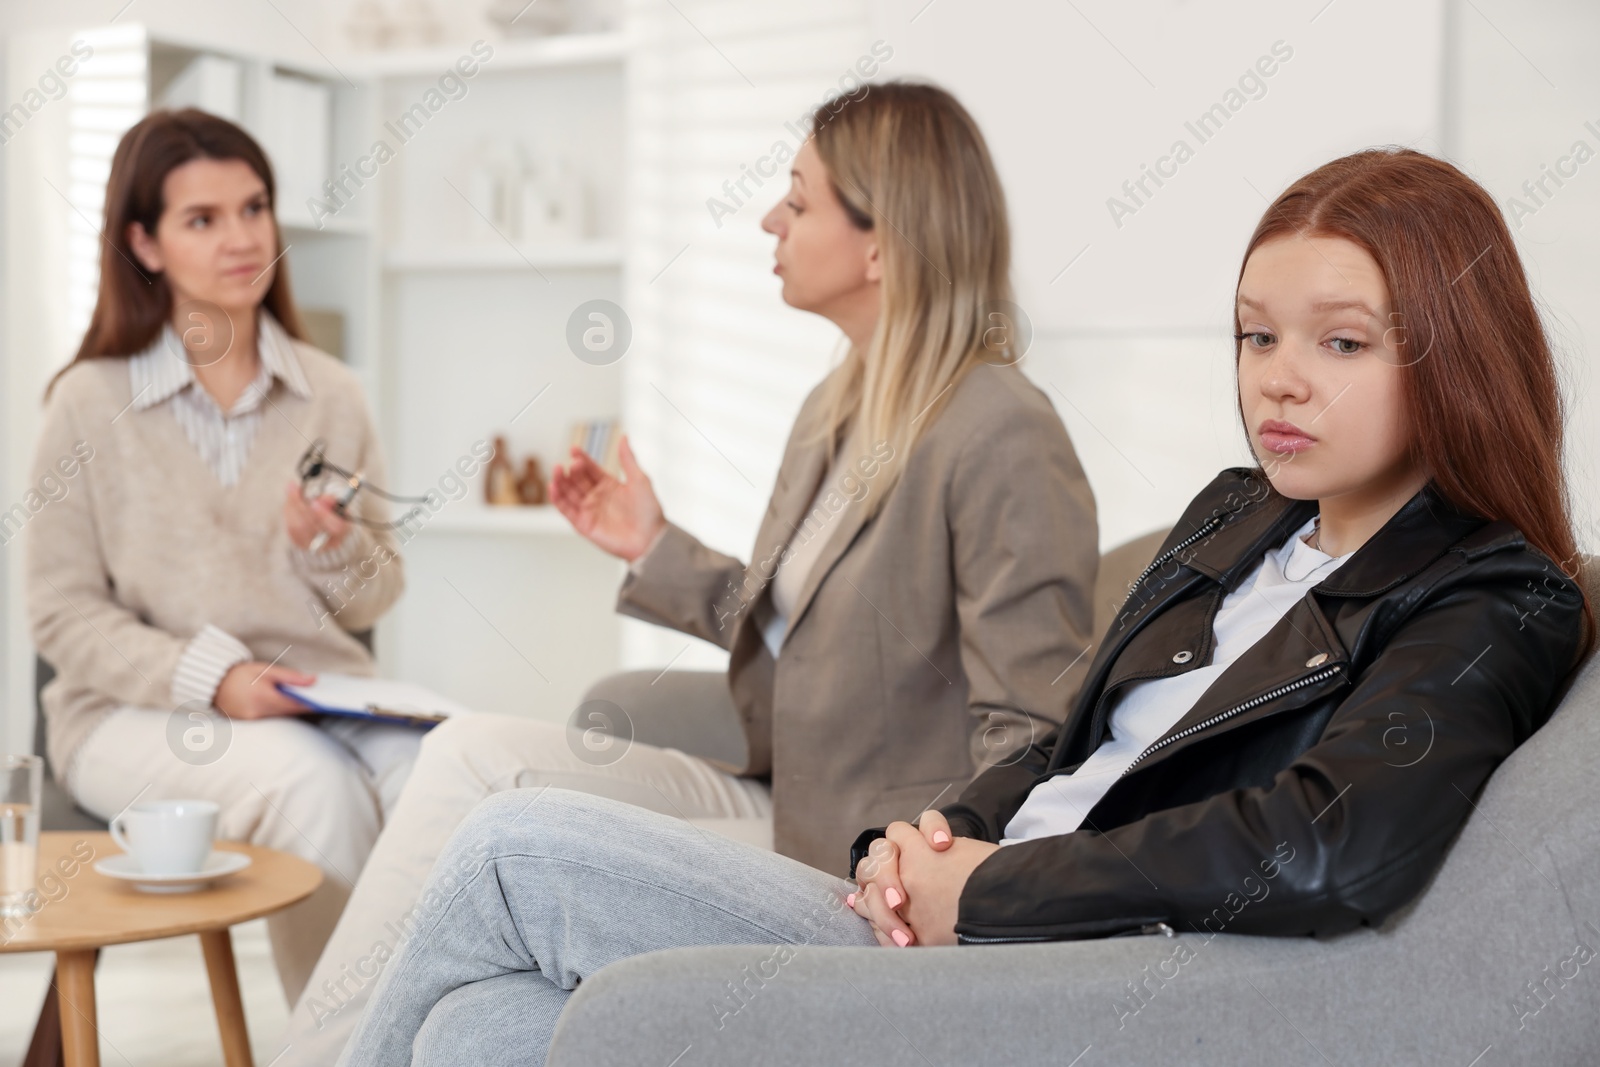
{"points": [[1402, 555]]}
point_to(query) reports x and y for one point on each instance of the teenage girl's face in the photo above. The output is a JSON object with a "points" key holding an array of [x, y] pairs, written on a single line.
{"points": [[827, 264], [1319, 375], [216, 238]]}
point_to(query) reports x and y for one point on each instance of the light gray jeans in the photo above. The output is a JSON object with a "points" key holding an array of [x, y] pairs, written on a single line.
{"points": [[674, 719], [540, 888]]}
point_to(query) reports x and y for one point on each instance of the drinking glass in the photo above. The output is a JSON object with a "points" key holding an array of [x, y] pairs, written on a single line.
{"points": [[21, 780]]}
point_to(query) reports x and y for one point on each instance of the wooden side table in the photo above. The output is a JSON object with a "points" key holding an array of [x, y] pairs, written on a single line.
{"points": [[92, 911]]}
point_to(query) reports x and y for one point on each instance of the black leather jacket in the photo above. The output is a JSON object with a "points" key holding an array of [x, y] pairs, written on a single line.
{"points": [[1317, 784]]}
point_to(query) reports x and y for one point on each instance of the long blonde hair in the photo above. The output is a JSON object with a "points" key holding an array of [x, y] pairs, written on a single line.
{"points": [[908, 162]]}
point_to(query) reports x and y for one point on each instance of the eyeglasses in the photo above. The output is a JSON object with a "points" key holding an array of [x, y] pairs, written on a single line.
{"points": [[314, 464]]}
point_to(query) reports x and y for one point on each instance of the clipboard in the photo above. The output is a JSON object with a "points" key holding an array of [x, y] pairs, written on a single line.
{"points": [[376, 699]]}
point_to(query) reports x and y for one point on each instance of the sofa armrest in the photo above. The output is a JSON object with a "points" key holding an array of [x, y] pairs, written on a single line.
{"points": [[731, 1006], [691, 711], [1227, 1000]]}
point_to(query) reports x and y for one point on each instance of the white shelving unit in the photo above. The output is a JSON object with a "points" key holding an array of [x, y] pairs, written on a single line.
{"points": [[569, 255], [333, 227], [539, 54], [542, 519], [456, 329], [506, 609], [455, 324]]}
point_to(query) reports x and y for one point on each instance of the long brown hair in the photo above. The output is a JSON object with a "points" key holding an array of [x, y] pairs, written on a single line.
{"points": [[908, 162], [1480, 382], [134, 304]]}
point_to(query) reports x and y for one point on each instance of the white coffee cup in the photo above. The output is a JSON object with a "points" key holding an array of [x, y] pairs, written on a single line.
{"points": [[167, 836]]}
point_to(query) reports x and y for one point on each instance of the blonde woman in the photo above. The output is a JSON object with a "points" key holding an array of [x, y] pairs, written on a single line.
{"points": [[918, 590]]}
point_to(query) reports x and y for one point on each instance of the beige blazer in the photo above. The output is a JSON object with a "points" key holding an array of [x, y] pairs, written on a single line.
{"points": [[931, 639]]}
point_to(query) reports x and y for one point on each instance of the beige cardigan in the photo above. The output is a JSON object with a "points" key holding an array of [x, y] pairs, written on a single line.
{"points": [[935, 637], [145, 548]]}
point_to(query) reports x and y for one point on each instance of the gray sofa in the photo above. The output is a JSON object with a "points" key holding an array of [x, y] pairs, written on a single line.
{"points": [[1497, 963]]}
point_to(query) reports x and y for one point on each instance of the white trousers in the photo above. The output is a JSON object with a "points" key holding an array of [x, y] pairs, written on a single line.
{"points": [[463, 761], [321, 791]]}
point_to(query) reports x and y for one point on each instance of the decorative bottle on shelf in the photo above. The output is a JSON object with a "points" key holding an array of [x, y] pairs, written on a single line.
{"points": [[500, 478], [480, 192], [414, 26], [492, 192], [533, 201], [531, 487], [506, 207], [564, 188], [514, 18], [367, 26]]}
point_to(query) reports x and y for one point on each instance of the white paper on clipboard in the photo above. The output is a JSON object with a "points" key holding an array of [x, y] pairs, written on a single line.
{"points": [[374, 698]]}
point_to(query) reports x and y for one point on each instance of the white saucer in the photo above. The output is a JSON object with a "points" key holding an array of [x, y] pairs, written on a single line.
{"points": [[125, 868]]}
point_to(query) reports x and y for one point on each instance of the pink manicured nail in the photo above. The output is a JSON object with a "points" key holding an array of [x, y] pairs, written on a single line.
{"points": [[850, 901], [892, 895], [900, 938], [940, 837]]}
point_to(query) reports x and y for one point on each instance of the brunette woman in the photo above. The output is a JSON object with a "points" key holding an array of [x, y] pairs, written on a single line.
{"points": [[185, 574]]}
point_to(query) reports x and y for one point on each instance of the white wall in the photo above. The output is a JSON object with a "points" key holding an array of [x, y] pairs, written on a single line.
{"points": [[1526, 90], [1132, 339]]}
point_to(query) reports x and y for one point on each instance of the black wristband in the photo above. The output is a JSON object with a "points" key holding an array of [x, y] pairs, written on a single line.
{"points": [[858, 848]]}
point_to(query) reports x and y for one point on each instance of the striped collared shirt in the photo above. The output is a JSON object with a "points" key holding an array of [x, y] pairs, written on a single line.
{"points": [[162, 373]]}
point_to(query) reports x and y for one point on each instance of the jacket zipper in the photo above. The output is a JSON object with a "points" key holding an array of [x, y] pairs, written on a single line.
{"points": [[1299, 683], [1205, 528], [1210, 524]]}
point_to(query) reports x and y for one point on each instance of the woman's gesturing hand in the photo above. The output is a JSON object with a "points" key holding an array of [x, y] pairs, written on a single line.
{"points": [[250, 691], [934, 861], [621, 517]]}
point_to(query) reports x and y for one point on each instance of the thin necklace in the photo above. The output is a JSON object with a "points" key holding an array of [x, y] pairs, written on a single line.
{"points": [[1316, 535]]}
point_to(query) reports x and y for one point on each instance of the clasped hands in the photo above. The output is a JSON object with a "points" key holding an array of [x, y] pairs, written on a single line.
{"points": [[910, 881]]}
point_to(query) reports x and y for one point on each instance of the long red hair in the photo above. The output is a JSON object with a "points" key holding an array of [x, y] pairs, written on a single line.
{"points": [[1481, 389], [133, 304]]}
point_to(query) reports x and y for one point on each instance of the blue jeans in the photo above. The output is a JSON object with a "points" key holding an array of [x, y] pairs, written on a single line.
{"points": [[520, 909]]}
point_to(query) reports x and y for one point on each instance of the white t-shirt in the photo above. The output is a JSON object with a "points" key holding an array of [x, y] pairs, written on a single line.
{"points": [[1145, 711], [804, 549]]}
